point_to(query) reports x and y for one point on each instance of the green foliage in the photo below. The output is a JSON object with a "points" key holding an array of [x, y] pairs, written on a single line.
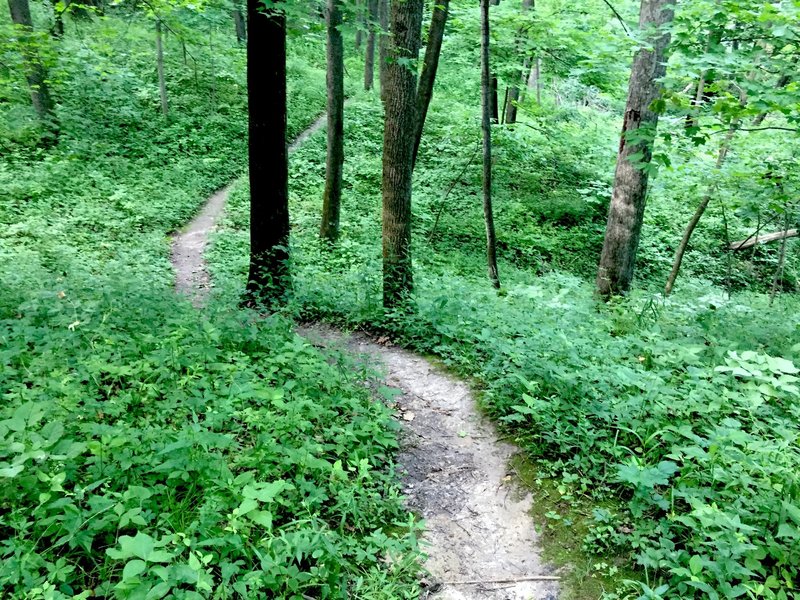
{"points": [[148, 449], [682, 413]]}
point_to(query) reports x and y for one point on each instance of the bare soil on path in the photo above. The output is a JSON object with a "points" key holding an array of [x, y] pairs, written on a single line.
{"points": [[480, 538]]}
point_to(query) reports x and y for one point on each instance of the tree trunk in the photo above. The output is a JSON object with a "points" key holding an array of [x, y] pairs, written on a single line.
{"points": [[493, 101], [514, 92], [268, 279], [162, 82], [383, 44], [626, 212], [398, 150], [329, 230], [369, 61], [486, 128], [698, 214], [359, 6], [35, 72], [239, 25], [57, 30], [429, 67]]}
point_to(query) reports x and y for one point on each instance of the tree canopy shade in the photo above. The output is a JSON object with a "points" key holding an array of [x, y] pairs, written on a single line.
{"points": [[268, 279]]}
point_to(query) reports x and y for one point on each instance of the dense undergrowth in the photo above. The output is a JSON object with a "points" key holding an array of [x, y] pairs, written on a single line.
{"points": [[678, 419], [149, 450]]}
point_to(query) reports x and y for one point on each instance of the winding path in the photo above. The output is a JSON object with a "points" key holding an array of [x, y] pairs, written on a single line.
{"points": [[479, 536]]}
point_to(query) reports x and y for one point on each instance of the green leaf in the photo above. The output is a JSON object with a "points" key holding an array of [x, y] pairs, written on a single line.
{"points": [[696, 564], [133, 568]]}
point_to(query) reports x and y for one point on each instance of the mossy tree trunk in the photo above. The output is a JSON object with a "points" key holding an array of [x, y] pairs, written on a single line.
{"points": [[398, 150], [626, 212]]}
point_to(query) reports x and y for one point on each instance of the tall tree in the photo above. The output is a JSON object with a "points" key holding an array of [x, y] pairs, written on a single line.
{"points": [[35, 71], [486, 127], [522, 75], [429, 67], [398, 149], [383, 44], [162, 82], [331, 202], [626, 212], [268, 278], [369, 60]]}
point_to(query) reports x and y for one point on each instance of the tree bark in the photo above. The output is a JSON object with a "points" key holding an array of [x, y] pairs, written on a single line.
{"points": [[383, 44], [35, 72], [240, 25], [398, 150], [369, 60], [268, 278], [698, 214], [626, 212], [162, 82], [514, 91], [429, 67], [331, 203], [493, 101], [486, 128]]}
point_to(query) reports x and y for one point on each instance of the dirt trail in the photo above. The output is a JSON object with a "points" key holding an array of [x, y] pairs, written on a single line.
{"points": [[189, 244], [455, 475], [480, 539]]}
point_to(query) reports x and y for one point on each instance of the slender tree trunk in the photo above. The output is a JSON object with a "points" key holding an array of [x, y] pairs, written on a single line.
{"points": [[783, 81], [383, 44], [486, 128], [398, 150], [369, 60], [332, 198], [514, 93], [429, 67], [626, 212], [698, 214], [162, 82], [781, 259], [35, 72], [240, 25], [268, 279], [359, 5]]}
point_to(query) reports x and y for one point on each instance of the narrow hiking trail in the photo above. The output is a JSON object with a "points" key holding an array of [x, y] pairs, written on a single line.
{"points": [[479, 538], [189, 244]]}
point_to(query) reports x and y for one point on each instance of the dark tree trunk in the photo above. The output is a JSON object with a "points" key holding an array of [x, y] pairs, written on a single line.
{"points": [[268, 279], [240, 25], [493, 101], [486, 127], [514, 93], [626, 212], [162, 82], [35, 72], [383, 44], [369, 60], [398, 150], [429, 67], [331, 202]]}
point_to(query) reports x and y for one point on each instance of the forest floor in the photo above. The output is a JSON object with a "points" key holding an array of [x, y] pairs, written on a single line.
{"points": [[479, 536]]}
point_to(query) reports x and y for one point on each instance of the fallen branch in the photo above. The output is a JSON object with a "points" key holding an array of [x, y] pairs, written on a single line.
{"points": [[511, 580], [764, 239]]}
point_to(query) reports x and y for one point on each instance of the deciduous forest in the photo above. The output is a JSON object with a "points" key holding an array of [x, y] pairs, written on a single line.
{"points": [[386, 299]]}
